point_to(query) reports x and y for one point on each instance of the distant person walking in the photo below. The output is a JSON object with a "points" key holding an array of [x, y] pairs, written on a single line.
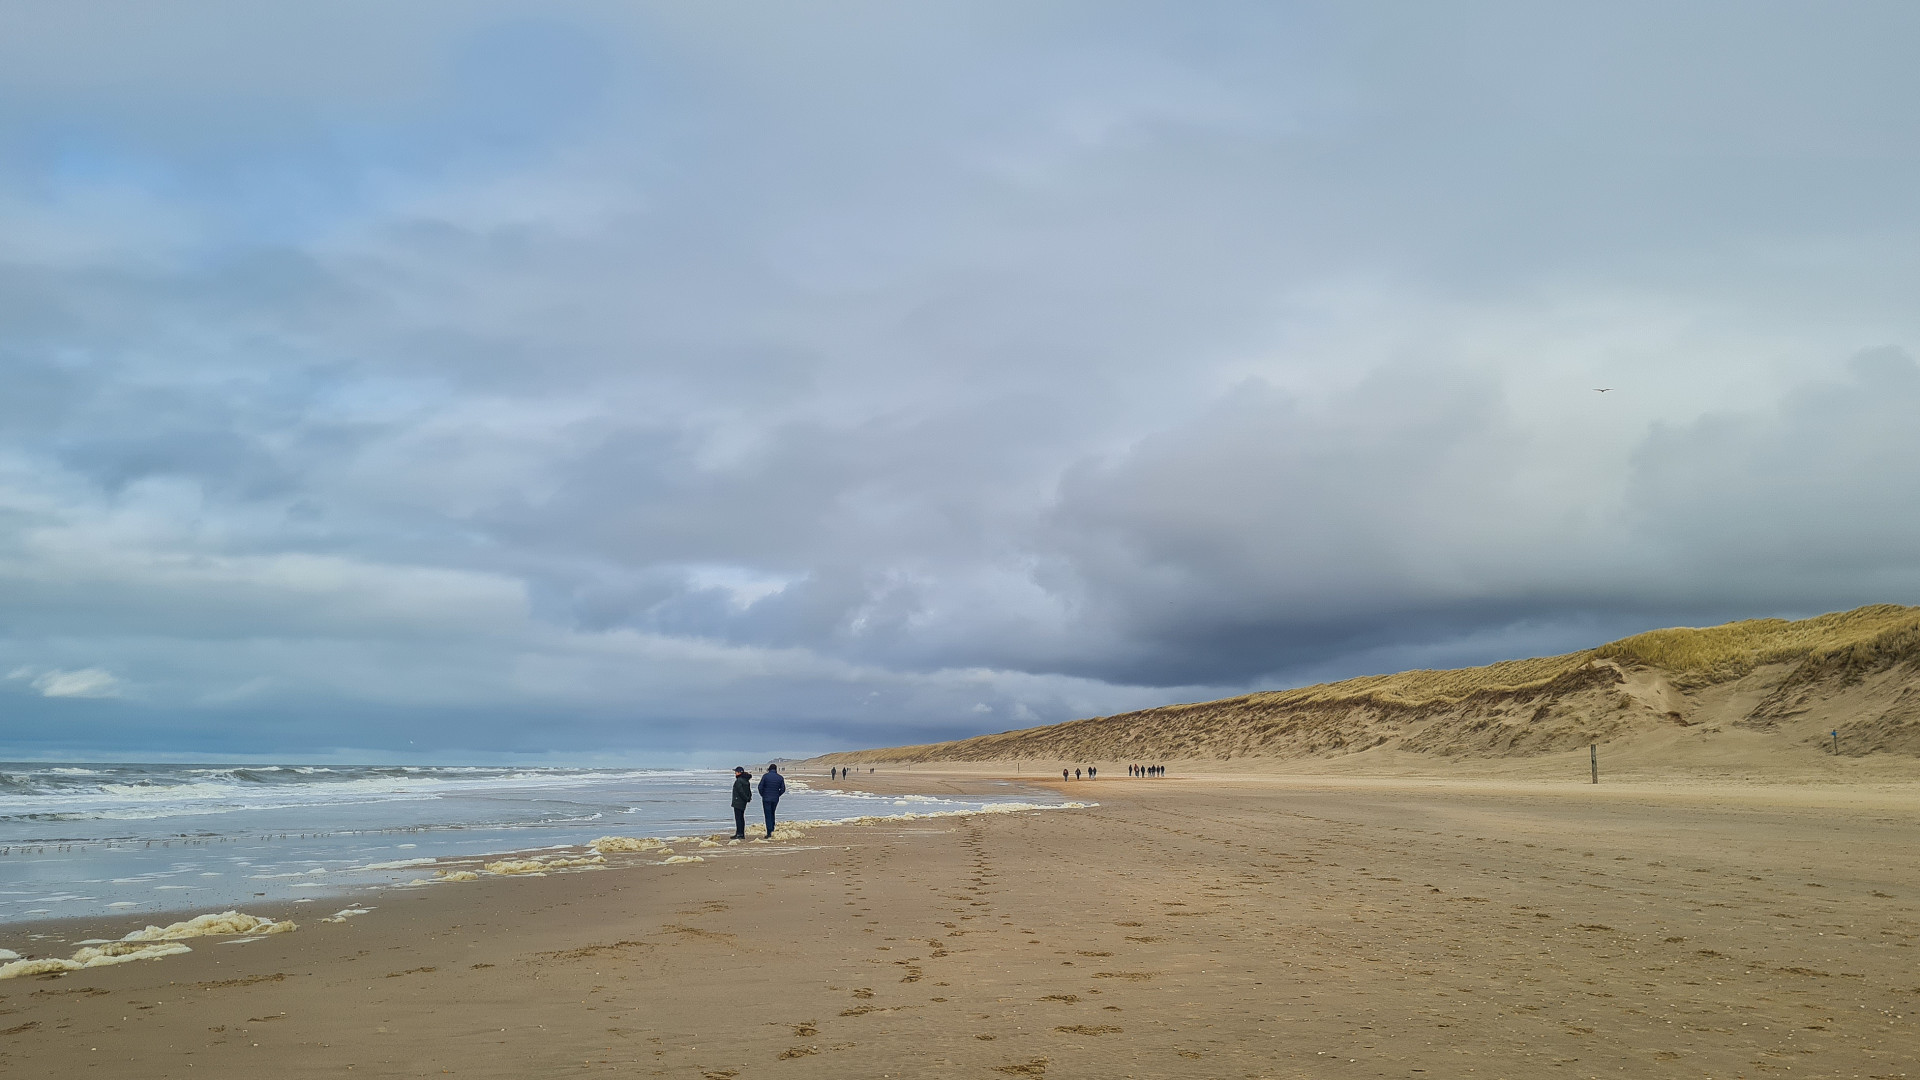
{"points": [[742, 795], [1063, 774], [1092, 772], [772, 786]]}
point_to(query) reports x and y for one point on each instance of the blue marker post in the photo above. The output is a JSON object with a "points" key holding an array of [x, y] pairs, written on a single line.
{"points": [[1836, 741]]}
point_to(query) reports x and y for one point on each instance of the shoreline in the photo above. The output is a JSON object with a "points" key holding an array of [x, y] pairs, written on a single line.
{"points": [[375, 874], [113, 926]]}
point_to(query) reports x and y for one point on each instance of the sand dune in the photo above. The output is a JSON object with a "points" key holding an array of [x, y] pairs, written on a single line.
{"points": [[1765, 694]]}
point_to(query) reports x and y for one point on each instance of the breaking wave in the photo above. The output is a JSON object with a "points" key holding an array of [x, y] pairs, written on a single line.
{"points": [[146, 792]]}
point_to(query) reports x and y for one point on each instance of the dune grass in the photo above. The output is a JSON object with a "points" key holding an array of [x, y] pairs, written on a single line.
{"points": [[1733, 649], [1702, 654]]}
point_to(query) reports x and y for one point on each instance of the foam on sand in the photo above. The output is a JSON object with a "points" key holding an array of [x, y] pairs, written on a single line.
{"points": [[541, 866], [151, 943], [611, 844], [346, 913], [222, 924], [122, 952], [458, 875], [50, 966], [515, 866], [681, 858]]}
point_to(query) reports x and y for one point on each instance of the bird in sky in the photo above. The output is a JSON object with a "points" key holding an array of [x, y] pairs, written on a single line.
{"points": [[1601, 389]]}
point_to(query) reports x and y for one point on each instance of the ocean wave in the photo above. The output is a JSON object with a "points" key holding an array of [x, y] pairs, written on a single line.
{"points": [[143, 792]]}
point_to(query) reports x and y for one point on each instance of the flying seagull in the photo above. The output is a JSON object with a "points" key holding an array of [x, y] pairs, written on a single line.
{"points": [[1601, 389]]}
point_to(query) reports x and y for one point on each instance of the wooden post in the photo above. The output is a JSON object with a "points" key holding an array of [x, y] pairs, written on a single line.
{"points": [[1836, 742], [1593, 755]]}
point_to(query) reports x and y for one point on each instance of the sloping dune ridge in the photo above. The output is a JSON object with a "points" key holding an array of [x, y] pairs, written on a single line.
{"points": [[1758, 693]]}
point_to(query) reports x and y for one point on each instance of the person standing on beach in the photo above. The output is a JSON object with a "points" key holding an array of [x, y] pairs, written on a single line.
{"points": [[772, 786], [742, 795]]}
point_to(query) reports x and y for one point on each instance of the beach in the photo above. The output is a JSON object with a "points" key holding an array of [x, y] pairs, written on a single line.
{"points": [[1193, 926]]}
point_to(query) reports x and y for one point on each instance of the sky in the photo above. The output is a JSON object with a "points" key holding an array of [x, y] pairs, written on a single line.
{"points": [[635, 382]]}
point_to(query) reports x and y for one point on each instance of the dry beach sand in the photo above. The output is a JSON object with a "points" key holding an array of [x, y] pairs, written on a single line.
{"points": [[1230, 927]]}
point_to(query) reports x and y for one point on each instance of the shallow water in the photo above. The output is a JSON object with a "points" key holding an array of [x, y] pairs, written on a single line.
{"points": [[88, 839]]}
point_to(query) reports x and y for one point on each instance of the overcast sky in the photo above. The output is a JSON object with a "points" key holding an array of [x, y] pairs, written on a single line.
{"points": [[632, 382]]}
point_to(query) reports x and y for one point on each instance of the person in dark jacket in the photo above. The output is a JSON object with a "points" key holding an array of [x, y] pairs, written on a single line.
{"points": [[742, 795], [772, 786]]}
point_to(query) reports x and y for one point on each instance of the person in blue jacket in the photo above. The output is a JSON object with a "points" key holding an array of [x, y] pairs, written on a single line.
{"points": [[772, 786]]}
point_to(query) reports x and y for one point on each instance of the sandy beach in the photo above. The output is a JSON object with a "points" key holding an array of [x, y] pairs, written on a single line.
{"points": [[1188, 927]]}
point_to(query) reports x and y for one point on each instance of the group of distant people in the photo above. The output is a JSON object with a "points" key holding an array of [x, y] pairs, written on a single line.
{"points": [[841, 774], [1132, 770]]}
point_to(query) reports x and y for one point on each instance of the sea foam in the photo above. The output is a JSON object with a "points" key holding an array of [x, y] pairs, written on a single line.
{"points": [[151, 943]]}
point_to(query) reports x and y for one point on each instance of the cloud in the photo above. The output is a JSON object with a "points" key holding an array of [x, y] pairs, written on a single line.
{"points": [[592, 377], [84, 683], [1802, 501]]}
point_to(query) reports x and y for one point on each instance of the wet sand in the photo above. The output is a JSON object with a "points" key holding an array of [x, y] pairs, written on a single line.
{"points": [[1184, 928]]}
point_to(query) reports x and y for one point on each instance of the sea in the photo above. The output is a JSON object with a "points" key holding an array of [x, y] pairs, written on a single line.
{"points": [[89, 839]]}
